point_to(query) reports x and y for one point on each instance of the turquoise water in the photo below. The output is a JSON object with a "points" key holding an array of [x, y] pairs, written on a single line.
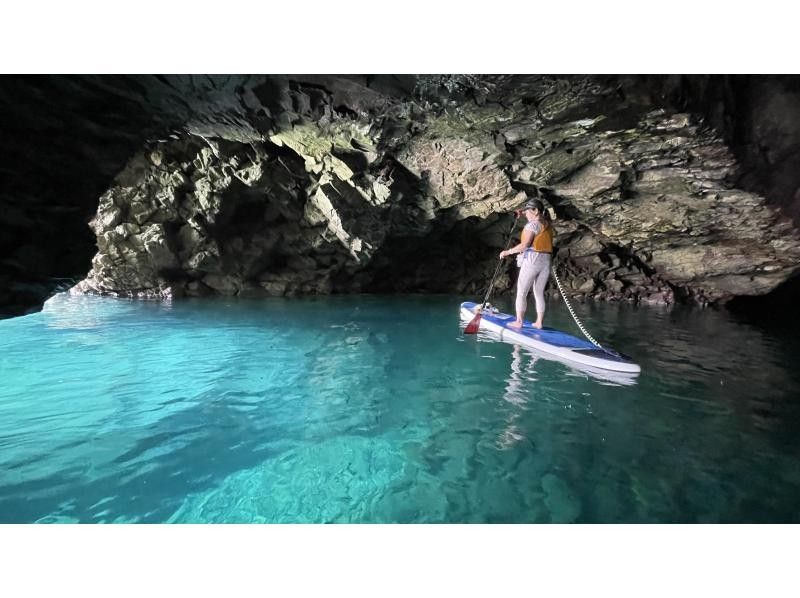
{"points": [[378, 409]]}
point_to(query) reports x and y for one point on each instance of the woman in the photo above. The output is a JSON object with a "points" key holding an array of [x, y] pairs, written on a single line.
{"points": [[535, 250]]}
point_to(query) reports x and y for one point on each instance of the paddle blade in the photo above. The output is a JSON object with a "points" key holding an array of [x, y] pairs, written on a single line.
{"points": [[472, 327]]}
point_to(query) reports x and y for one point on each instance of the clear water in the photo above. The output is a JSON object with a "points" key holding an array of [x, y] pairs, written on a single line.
{"points": [[375, 409]]}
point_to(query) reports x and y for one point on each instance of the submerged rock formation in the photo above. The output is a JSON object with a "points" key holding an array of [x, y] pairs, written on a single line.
{"points": [[287, 185]]}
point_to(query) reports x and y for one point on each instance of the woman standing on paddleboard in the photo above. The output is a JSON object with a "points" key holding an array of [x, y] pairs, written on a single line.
{"points": [[534, 254]]}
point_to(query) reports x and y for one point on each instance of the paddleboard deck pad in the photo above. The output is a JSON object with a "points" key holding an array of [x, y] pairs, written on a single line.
{"points": [[551, 341]]}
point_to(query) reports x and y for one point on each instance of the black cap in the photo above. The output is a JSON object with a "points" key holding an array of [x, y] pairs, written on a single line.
{"points": [[530, 205]]}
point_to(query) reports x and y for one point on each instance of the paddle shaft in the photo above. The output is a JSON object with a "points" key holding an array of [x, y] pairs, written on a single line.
{"points": [[499, 262]]}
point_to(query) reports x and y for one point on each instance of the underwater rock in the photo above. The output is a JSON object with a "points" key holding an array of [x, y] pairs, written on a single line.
{"points": [[332, 480]]}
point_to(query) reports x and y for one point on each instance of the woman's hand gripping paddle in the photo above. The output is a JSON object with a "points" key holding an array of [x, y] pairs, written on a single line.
{"points": [[474, 323]]}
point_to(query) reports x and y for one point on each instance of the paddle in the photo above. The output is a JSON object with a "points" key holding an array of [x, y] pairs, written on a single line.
{"points": [[474, 323]]}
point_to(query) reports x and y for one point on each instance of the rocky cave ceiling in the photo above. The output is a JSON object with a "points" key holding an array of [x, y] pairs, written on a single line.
{"points": [[665, 188]]}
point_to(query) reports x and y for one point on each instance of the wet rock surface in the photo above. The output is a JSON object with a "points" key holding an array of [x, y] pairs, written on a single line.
{"points": [[281, 185]]}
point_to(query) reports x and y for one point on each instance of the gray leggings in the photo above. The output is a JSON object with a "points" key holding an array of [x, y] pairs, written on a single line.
{"points": [[534, 273]]}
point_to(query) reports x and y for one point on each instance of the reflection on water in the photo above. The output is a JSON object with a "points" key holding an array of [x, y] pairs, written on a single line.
{"points": [[377, 409]]}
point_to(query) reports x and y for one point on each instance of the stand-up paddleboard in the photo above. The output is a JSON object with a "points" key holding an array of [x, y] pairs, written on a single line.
{"points": [[551, 341]]}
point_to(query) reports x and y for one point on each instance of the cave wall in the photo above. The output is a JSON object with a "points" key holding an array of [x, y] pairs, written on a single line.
{"points": [[63, 140], [758, 117], [298, 184]]}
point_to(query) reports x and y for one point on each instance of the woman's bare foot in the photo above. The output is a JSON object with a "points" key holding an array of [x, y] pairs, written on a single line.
{"points": [[537, 324], [516, 324]]}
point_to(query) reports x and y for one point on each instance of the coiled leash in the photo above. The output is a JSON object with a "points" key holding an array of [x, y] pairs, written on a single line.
{"points": [[572, 312]]}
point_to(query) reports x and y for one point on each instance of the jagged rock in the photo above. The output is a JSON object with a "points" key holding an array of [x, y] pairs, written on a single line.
{"points": [[461, 175], [140, 210], [154, 243], [109, 215], [203, 261], [596, 177], [225, 285], [276, 288], [189, 239], [320, 184], [251, 175], [585, 286]]}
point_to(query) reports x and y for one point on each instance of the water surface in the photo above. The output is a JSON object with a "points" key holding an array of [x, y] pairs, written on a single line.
{"points": [[378, 409]]}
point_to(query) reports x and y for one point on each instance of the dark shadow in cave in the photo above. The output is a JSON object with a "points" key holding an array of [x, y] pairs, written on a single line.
{"points": [[459, 259], [64, 139], [774, 311]]}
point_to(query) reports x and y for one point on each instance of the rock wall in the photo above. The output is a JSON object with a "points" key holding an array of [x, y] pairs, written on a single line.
{"points": [[317, 184], [643, 197], [758, 117]]}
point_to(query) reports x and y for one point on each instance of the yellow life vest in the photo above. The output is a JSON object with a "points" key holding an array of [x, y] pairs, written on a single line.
{"points": [[543, 241]]}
